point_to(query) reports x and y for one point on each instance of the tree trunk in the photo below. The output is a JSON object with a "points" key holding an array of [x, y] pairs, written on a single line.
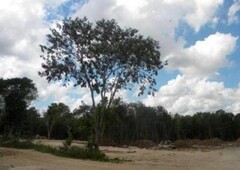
{"points": [[99, 126], [50, 127], [97, 134], [49, 134]]}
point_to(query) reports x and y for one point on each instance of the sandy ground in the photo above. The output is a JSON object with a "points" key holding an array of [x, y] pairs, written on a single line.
{"points": [[225, 158]]}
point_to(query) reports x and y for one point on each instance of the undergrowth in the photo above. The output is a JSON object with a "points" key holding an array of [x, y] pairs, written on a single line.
{"points": [[70, 152]]}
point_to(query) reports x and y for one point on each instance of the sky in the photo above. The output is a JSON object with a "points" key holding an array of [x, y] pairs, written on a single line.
{"points": [[200, 39]]}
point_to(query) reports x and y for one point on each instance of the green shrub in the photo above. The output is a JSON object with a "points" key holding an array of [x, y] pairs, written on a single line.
{"points": [[70, 152], [68, 141], [19, 145], [82, 153], [91, 145]]}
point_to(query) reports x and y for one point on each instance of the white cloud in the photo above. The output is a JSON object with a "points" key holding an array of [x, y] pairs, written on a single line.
{"points": [[186, 95], [24, 27], [158, 19], [193, 91], [232, 12], [203, 12], [133, 6], [21, 25], [205, 57]]}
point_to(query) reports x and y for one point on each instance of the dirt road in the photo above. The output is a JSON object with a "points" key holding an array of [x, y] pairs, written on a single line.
{"points": [[226, 158]]}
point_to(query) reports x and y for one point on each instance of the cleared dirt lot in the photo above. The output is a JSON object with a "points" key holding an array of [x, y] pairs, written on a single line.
{"points": [[225, 158]]}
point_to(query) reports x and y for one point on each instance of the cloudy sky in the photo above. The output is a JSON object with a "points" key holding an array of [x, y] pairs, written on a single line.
{"points": [[199, 38]]}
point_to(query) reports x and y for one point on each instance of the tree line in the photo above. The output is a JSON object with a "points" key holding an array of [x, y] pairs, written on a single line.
{"points": [[122, 122]]}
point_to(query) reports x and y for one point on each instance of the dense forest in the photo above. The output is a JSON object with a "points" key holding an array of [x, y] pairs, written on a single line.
{"points": [[122, 122]]}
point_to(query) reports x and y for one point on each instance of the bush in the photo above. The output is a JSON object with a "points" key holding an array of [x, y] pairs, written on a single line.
{"points": [[68, 141], [81, 153], [18, 145], [91, 144], [71, 152]]}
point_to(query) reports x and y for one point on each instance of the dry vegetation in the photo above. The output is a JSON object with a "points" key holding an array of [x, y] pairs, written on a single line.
{"points": [[196, 143], [179, 144]]}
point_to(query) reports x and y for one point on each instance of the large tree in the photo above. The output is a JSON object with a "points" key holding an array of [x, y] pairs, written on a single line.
{"points": [[18, 93], [103, 57]]}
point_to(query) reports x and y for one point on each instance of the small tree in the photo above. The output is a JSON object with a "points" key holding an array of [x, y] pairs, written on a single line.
{"points": [[103, 57], [54, 113]]}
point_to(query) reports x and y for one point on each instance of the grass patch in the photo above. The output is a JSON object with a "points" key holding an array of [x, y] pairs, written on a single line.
{"points": [[69, 152]]}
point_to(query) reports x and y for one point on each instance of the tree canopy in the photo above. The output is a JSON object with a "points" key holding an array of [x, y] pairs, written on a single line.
{"points": [[55, 112], [102, 56], [18, 93]]}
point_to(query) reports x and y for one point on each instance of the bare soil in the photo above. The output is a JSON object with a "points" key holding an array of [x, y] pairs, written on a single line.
{"points": [[223, 158]]}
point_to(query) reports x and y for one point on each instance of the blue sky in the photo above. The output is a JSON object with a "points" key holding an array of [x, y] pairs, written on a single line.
{"points": [[200, 40]]}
